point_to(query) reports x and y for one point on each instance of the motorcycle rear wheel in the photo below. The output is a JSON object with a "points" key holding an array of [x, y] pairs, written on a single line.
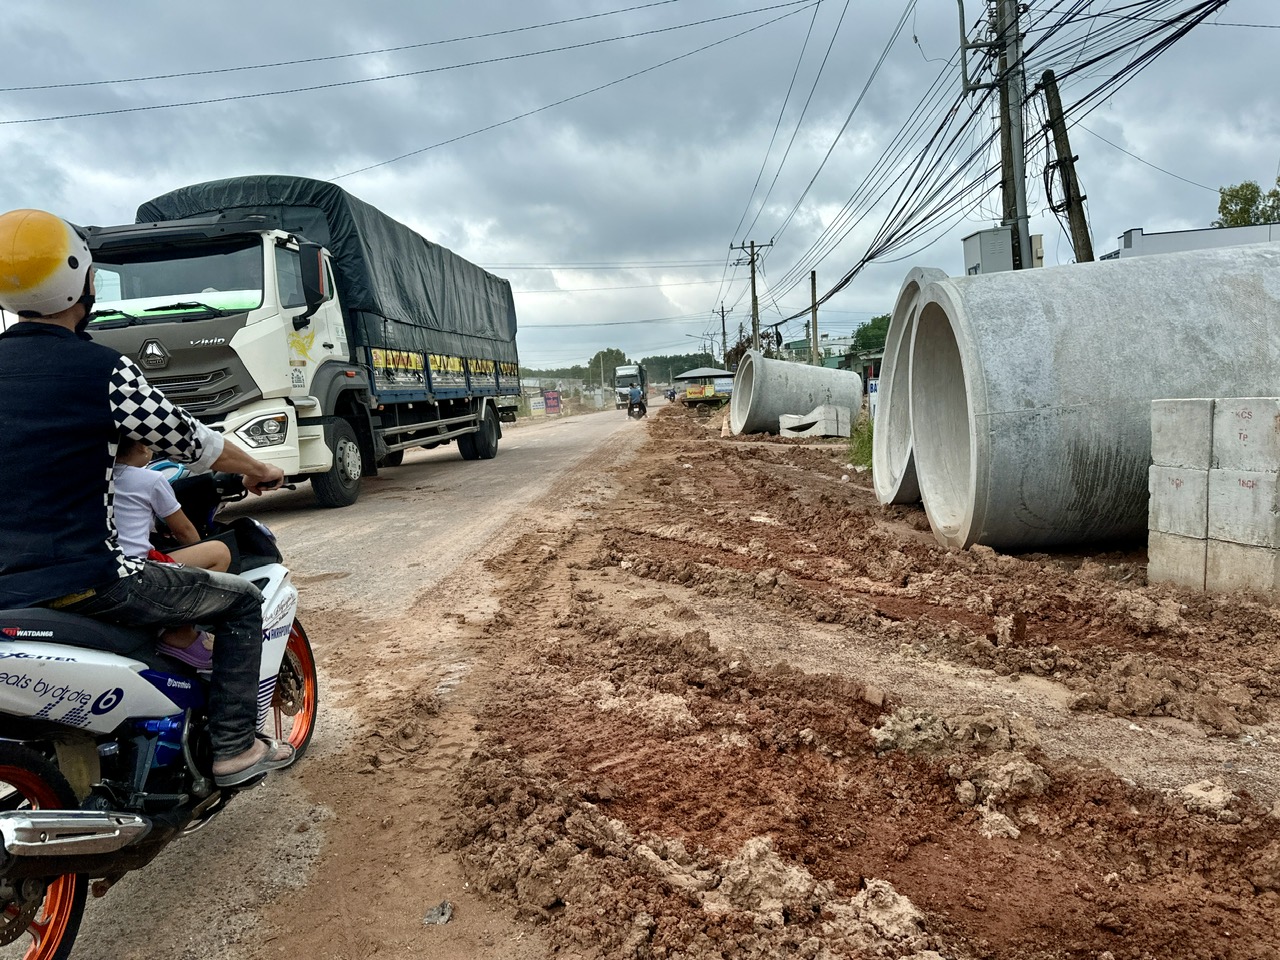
{"points": [[297, 695], [30, 782]]}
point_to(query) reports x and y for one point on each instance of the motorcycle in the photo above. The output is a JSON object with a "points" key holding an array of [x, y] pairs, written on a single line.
{"points": [[637, 410], [104, 749]]}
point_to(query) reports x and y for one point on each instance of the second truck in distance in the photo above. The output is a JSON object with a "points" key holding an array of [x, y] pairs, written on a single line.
{"points": [[309, 326]]}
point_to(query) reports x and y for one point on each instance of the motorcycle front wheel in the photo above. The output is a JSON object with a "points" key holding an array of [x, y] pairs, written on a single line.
{"points": [[46, 912], [297, 695]]}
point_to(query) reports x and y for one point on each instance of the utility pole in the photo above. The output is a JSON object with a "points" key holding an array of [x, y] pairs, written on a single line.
{"points": [[1012, 95], [724, 334], [1072, 199], [755, 301], [813, 316], [1016, 85]]}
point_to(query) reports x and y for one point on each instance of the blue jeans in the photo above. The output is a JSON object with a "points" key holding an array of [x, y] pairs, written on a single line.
{"points": [[165, 595]]}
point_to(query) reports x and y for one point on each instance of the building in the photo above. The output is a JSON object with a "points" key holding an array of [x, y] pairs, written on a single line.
{"points": [[835, 352], [1136, 243]]}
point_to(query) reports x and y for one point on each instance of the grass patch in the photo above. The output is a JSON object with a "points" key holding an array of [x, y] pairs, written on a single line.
{"points": [[860, 442]]}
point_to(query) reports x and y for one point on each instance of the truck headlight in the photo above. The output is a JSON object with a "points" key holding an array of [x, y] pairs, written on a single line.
{"points": [[265, 431]]}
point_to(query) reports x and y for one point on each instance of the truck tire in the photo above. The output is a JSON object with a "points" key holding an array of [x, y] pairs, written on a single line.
{"points": [[467, 446], [340, 486], [486, 438]]}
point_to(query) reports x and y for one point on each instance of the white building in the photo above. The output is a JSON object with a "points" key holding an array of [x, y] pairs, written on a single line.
{"points": [[1135, 243]]}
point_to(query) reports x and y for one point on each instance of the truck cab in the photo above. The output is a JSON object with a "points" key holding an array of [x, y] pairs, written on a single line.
{"points": [[208, 308], [624, 378]]}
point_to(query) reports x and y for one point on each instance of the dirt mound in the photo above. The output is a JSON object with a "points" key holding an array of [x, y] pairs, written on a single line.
{"points": [[663, 780]]}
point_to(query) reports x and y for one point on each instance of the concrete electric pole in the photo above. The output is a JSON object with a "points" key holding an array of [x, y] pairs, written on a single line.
{"points": [[1072, 199], [751, 252], [1013, 93], [813, 317]]}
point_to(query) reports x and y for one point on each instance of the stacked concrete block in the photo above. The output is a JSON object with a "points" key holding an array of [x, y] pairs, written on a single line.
{"points": [[1178, 482], [1214, 520], [1244, 508], [827, 420]]}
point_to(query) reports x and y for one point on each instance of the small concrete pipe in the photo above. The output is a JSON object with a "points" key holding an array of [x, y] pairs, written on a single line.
{"points": [[893, 466], [1031, 391], [765, 389]]}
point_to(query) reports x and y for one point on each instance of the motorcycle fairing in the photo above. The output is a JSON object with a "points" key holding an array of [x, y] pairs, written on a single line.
{"points": [[88, 689]]}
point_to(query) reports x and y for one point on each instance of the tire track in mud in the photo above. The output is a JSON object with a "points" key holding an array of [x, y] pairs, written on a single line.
{"points": [[657, 779]]}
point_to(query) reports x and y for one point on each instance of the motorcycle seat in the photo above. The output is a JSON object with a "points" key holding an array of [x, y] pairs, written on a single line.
{"points": [[58, 626]]}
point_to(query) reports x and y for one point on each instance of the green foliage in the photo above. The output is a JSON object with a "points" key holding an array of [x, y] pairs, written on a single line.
{"points": [[661, 368], [605, 359], [869, 338], [1244, 204], [860, 442]]}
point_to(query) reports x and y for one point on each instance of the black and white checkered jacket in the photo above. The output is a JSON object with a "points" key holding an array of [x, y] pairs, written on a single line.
{"points": [[64, 403]]}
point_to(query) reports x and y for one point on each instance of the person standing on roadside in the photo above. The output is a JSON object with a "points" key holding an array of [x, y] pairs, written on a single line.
{"points": [[65, 401]]}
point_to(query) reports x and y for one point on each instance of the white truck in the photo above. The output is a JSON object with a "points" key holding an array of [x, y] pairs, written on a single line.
{"points": [[309, 326], [624, 378]]}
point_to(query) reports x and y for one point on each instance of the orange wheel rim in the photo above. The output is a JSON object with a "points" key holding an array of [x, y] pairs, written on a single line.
{"points": [[305, 717], [50, 926]]}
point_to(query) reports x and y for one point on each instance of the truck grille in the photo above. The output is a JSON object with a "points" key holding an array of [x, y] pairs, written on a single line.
{"points": [[198, 392]]}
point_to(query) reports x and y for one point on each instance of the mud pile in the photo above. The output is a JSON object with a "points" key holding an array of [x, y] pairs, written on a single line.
{"points": [[749, 713]]}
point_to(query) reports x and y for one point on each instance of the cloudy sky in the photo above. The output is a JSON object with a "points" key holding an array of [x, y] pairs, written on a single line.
{"points": [[604, 155]]}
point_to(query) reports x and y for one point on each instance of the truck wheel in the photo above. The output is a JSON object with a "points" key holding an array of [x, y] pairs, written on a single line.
{"points": [[467, 447], [486, 439], [340, 487]]}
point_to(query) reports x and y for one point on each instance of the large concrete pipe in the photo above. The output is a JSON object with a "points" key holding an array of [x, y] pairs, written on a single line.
{"points": [[1031, 391], [765, 389], [893, 467]]}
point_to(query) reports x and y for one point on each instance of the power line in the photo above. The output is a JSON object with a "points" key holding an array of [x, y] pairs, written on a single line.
{"points": [[337, 56], [1153, 166], [764, 161], [576, 96], [410, 73], [641, 286], [606, 265]]}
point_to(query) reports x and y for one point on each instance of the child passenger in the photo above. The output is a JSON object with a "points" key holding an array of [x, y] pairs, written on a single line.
{"points": [[141, 496]]}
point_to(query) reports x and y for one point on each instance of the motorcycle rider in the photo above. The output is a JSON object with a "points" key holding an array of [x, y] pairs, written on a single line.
{"points": [[636, 399], [64, 403]]}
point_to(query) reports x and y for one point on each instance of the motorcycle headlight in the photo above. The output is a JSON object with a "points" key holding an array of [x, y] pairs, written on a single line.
{"points": [[265, 431]]}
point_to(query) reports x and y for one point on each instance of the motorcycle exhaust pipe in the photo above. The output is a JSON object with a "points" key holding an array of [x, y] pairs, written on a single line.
{"points": [[66, 833]]}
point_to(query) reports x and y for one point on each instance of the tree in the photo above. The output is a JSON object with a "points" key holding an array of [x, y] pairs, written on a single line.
{"points": [[1243, 204], [603, 363], [664, 366], [869, 338]]}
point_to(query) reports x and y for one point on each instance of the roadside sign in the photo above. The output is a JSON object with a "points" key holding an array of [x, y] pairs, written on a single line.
{"points": [[873, 392]]}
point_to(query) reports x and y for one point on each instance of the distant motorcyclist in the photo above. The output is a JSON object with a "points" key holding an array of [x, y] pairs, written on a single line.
{"points": [[65, 401]]}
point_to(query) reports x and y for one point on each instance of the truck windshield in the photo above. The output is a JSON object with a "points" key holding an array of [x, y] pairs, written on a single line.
{"points": [[155, 285]]}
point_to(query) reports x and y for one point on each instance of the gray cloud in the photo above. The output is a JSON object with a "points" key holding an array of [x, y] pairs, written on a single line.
{"points": [[654, 168]]}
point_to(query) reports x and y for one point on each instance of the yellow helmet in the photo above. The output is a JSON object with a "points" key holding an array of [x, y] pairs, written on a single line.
{"points": [[44, 263]]}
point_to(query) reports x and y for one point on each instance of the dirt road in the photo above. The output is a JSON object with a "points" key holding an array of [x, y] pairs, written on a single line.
{"points": [[733, 708]]}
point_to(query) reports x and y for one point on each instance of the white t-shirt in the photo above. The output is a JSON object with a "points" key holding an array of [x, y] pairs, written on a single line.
{"points": [[141, 496]]}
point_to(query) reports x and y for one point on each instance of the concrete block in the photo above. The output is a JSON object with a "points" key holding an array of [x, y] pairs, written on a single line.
{"points": [[1182, 433], [1243, 508], [827, 420], [1237, 566], [1174, 559], [1246, 434], [1179, 501]]}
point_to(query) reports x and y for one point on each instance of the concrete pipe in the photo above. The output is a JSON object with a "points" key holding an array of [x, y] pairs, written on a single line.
{"points": [[1031, 390], [893, 467], [764, 389]]}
